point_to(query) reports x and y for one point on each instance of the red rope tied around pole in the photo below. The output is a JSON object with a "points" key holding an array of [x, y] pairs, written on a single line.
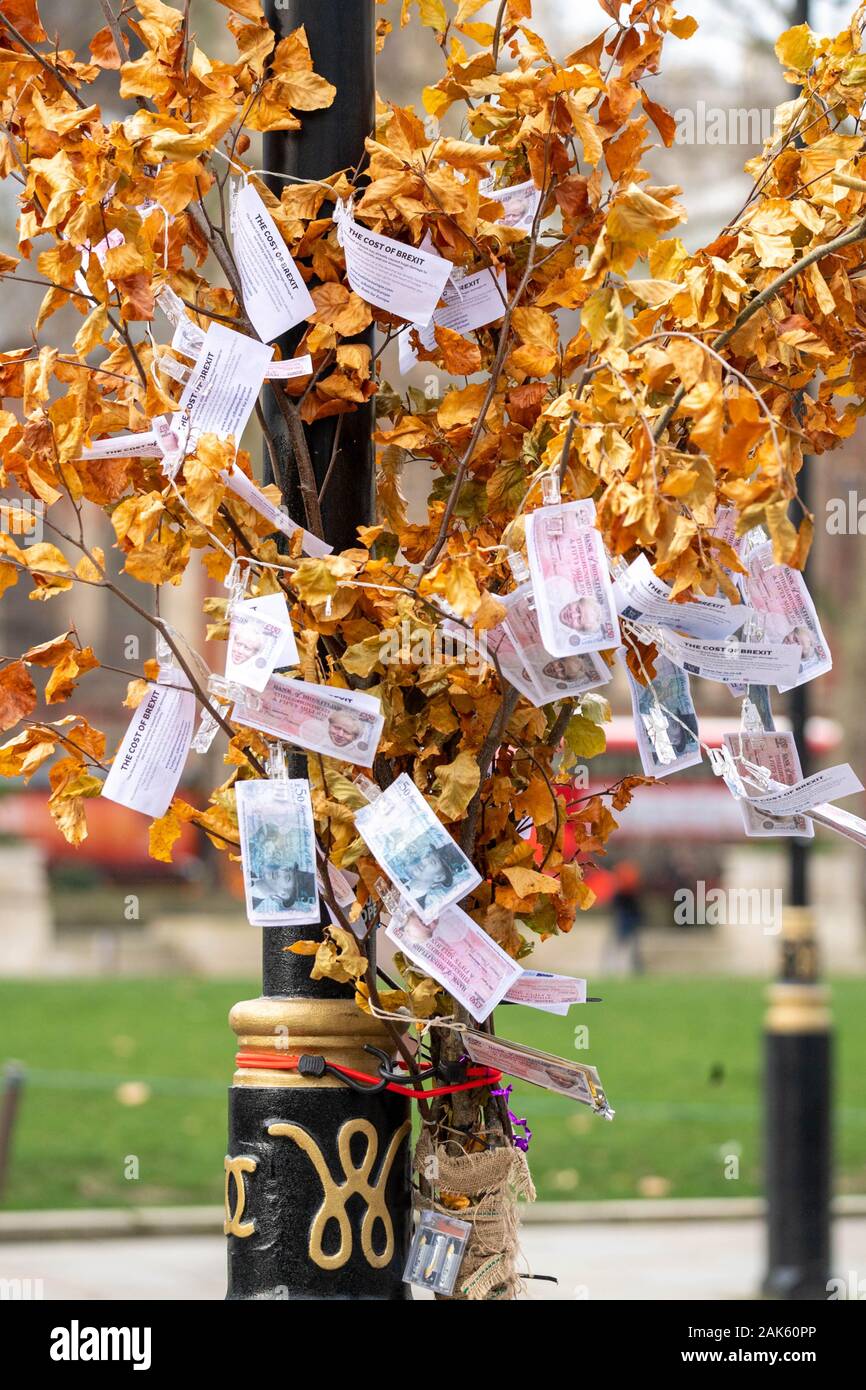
{"points": [[274, 1061]]}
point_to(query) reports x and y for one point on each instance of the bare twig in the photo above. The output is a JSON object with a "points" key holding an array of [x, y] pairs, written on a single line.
{"points": [[43, 62]]}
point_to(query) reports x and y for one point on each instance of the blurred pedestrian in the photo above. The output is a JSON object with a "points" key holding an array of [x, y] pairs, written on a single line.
{"points": [[627, 917]]}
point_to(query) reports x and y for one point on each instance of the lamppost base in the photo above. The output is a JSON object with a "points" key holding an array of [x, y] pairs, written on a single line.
{"points": [[317, 1174], [798, 1068]]}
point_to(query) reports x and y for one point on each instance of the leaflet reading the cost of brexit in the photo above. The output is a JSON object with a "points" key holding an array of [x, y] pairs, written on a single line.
{"points": [[553, 994], [529, 666], [676, 746], [460, 955], [474, 301], [732, 661], [189, 338], [224, 384], [152, 754], [827, 785], [779, 596], [777, 752], [345, 724], [570, 580], [173, 441], [278, 852], [404, 280], [244, 488], [415, 850], [122, 446], [573, 1079], [644, 598], [275, 295], [255, 643]]}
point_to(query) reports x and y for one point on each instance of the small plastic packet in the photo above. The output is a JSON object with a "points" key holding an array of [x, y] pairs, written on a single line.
{"points": [[437, 1252]]}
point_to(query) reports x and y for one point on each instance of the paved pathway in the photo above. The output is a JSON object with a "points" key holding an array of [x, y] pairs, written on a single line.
{"points": [[623, 1260]]}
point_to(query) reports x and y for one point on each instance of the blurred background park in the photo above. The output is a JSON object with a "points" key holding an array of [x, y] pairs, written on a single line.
{"points": [[116, 973]]}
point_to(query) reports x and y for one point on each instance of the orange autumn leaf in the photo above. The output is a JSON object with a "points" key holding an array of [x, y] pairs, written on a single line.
{"points": [[459, 355], [341, 309], [17, 694]]}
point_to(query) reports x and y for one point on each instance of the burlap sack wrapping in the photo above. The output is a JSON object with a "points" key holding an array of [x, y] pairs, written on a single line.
{"points": [[494, 1179]]}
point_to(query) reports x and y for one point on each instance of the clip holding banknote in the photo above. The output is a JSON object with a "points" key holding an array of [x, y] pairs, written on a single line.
{"points": [[518, 566], [551, 495], [278, 770], [237, 580], [750, 718], [763, 782], [229, 692], [754, 628], [367, 787], [656, 724], [207, 726], [396, 906], [723, 765], [763, 562]]}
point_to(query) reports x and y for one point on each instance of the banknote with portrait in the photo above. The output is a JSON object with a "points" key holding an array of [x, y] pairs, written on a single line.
{"points": [[278, 851], [415, 850], [324, 719], [570, 580]]}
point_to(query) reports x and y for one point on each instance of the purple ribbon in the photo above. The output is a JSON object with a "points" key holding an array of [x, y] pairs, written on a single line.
{"points": [[520, 1141]]}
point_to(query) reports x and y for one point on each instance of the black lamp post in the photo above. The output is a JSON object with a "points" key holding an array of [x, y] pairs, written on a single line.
{"points": [[317, 1175], [798, 1059]]}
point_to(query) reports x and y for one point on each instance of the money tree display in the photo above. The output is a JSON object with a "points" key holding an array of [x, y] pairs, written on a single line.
{"points": [[609, 435]]}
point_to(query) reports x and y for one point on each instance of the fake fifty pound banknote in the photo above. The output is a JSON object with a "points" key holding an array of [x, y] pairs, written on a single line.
{"points": [[527, 662], [415, 850], [278, 851], [344, 724], [460, 955], [570, 580]]}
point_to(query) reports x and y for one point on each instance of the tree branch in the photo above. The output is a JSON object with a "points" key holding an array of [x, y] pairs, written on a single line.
{"points": [[43, 62], [856, 233]]}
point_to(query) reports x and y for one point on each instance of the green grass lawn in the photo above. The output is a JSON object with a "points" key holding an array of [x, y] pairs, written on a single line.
{"points": [[658, 1043]]}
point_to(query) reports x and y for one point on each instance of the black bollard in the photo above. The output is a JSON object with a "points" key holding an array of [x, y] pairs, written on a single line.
{"points": [[798, 1091]]}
